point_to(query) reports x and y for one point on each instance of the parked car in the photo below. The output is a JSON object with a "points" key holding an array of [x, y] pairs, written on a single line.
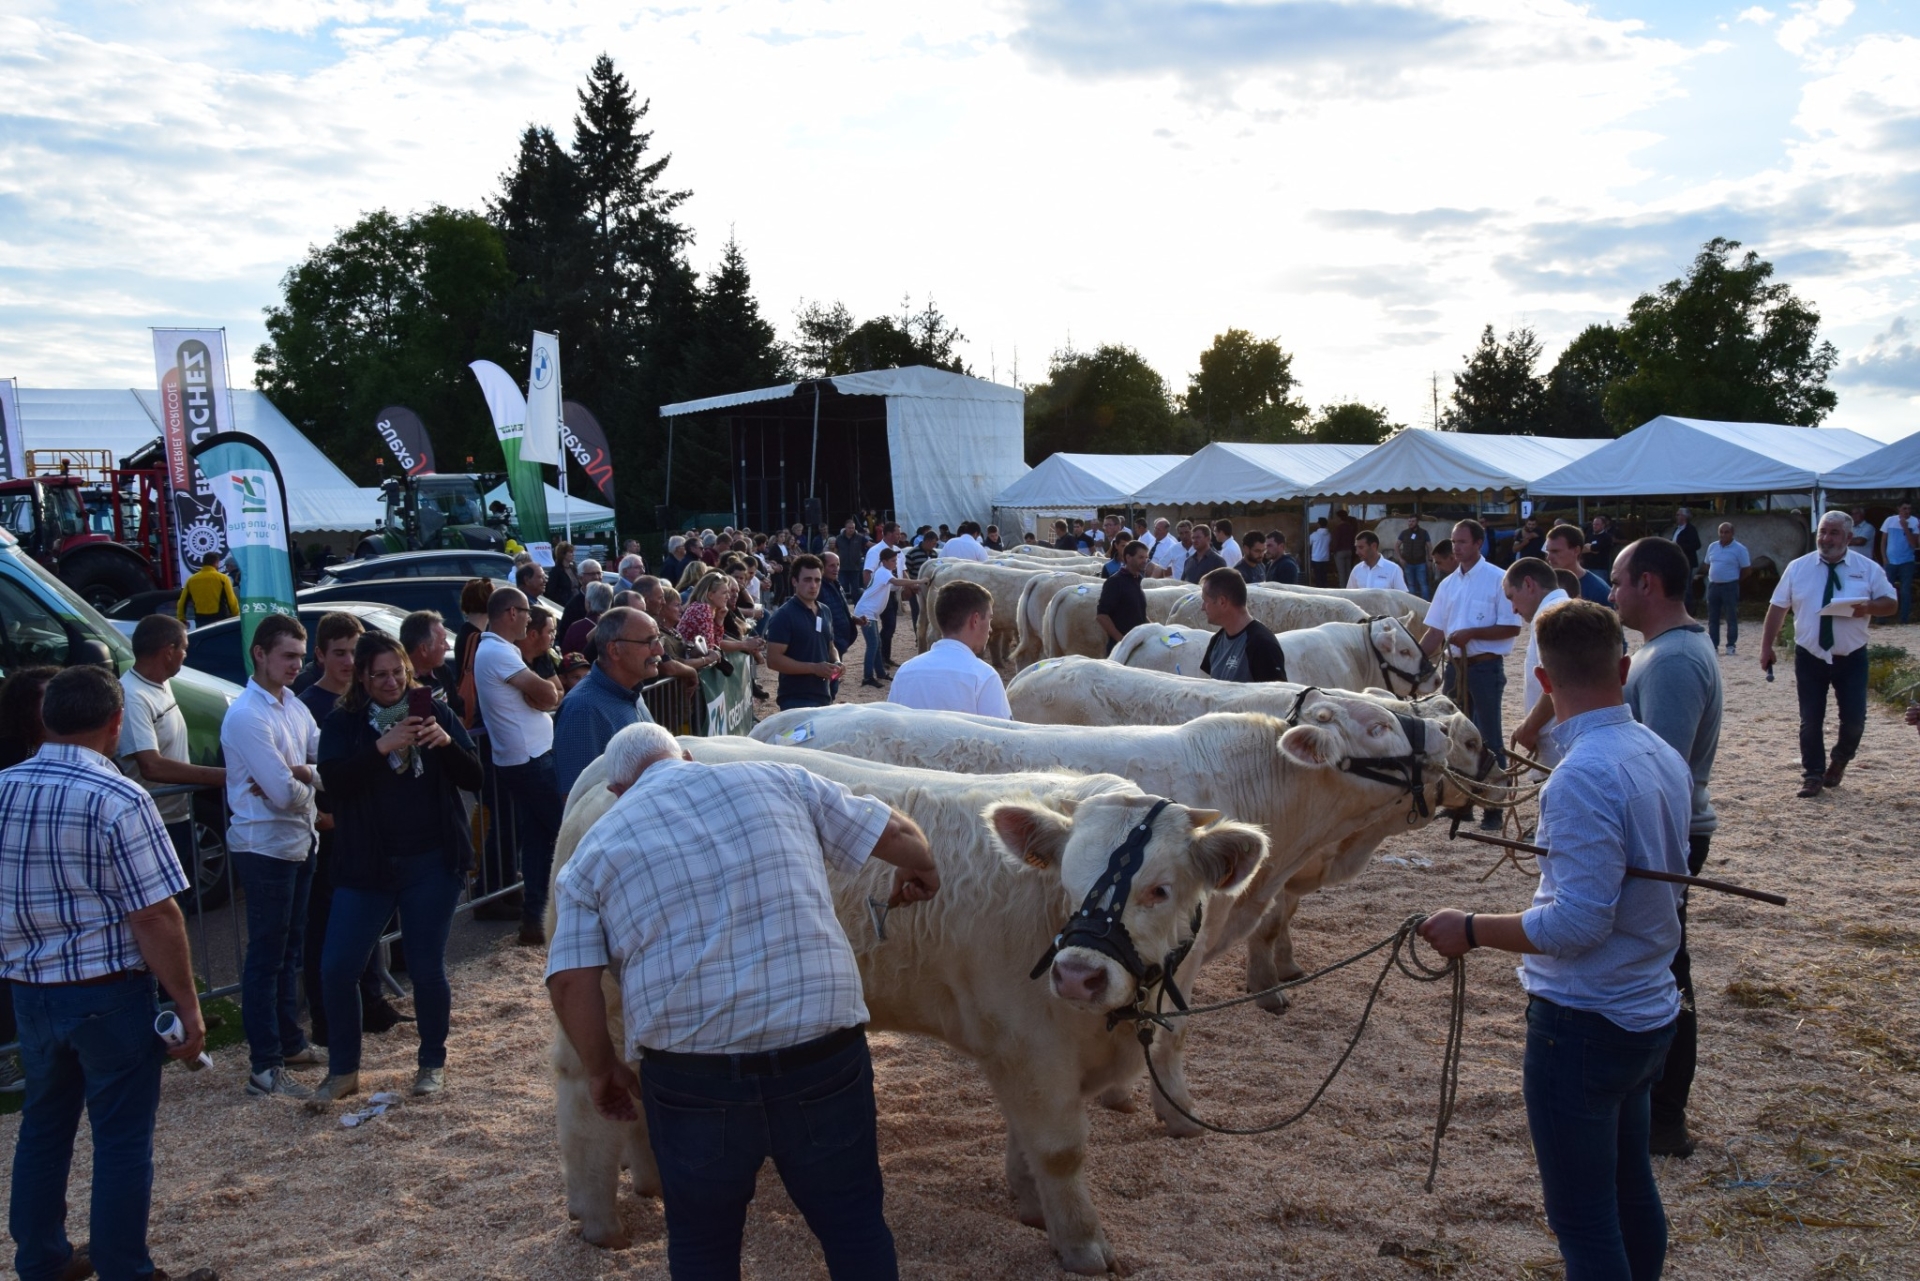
{"points": [[214, 648], [42, 620], [445, 563], [406, 595], [140, 604]]}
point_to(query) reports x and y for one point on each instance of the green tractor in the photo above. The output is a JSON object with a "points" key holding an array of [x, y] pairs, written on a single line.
{"points": [[439, 510]]}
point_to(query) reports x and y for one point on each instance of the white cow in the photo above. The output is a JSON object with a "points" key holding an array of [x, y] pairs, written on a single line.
{"points": [[1071, 562], [1282, 609], [1031, 613], [1248, 765], [1016, 854], [1376, 601], [1003, 581], [1379, 653], [1071, 624], [1080, 691]]}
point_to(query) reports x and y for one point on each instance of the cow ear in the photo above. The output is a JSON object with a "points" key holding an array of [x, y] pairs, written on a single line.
{"points": [[1310, 745], [1032, 834], [1406, 621], [1200, 818], [1228, 854]]}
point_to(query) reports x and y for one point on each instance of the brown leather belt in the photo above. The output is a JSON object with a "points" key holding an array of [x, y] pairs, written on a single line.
{"points": [[1470, 660]]}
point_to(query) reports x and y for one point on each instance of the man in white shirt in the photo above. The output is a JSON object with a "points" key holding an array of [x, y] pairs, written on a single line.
{"points": [[269, 739], [1830, 650], [966, 544], [1531, 586], [1160, 531], [1899, 536], [1320, 554], [515, 704], [1471, 615], [153, 733], [1170, 553], [1370, 569], [950, 677], [1728, 565], [1226, 544], [1866, 534]]}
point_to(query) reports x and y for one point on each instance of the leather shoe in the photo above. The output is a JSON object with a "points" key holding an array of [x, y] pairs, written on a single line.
{"points": [[1810, 786], [532, 936], [1670, 1139], [1834, 771], [79, 1264], [198, 1274], [380, 1016]]}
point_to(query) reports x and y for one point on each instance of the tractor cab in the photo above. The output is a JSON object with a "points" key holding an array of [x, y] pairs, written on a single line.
{"points": [[437, 510]]}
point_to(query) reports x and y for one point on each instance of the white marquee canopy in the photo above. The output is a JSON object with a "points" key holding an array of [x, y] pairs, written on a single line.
{"points": [[1420, 460], [1224, 472], [1668, 455], [1074, 481]]}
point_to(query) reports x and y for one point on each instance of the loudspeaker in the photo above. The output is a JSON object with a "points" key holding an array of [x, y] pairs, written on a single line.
{"points": [[814, 515]]}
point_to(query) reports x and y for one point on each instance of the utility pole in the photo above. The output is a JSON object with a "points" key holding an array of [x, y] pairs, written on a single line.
{"points": [[1434, 379]]}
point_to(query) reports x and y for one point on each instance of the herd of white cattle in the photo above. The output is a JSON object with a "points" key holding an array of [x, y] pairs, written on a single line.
{"points": [[1277, 790]]}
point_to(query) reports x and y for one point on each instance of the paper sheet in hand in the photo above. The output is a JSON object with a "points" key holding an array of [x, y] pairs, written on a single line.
{"points": [[1843, 608]]}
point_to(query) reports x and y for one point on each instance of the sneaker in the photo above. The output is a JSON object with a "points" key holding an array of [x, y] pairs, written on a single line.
{"points": [[276, 1081], [430, 1080], [308, 1055], [13, 1077], [335, 1088], [1731, 652]]}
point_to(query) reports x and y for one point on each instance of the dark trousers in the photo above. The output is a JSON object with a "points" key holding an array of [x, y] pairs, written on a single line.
{"points": [[1417, 579], [277, 891], [1676, 1077], [805, 700], [1723, 601], [1902, 576], [1486, 685], [319, 909], [712, 1133], [1586, 1080], [1322, 573], [1846, 676], [875, 665], [424, 892], [90, 1047], [537, 806], [889, 621]]}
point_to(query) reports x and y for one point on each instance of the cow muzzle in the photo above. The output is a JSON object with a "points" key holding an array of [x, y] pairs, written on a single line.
{"points": [[1093, 982]]}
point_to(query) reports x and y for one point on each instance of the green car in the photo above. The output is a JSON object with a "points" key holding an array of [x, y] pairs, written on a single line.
{"points": [[42, 620]]}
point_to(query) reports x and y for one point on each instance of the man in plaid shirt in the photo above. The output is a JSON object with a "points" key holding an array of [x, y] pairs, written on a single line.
{"points": [[87, 924], [706, 885]]}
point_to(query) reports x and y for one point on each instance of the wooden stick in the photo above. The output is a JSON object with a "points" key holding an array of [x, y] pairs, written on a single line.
{"points": [[1643, 873]]}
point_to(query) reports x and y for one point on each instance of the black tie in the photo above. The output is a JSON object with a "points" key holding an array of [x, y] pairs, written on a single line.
{"points": [[1826, 621]]}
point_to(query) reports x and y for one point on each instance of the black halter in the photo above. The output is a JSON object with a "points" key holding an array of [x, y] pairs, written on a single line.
{"points": [[1388, 670], [1098, 925], [1407, 771]]}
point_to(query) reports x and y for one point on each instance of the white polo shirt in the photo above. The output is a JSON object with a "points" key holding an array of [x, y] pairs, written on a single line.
{"points": [[963, 547], [948, 678], [520, 731], [1170, 554], [1804, 585], [152, 723], [1385, 574], [1320, 544], [1533, 690], [1474, 598], [1230, 551]]}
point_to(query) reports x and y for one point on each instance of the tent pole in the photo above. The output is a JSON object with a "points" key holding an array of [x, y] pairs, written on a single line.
{"points": [[813, 460], [668, 500]]}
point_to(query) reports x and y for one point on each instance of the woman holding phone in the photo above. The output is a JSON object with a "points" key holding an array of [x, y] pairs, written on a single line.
{"points": [[393, 760]]}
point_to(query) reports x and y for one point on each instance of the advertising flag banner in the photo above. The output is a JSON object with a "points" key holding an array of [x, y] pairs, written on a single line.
{"points": [[542, 441], [405, 436], [191, 365], [580, 432], [246, 483], [524, 483], [13, 448]]}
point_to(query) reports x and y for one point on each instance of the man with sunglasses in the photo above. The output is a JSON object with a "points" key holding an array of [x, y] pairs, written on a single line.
{"points": [[515, 702], [627, 642]]}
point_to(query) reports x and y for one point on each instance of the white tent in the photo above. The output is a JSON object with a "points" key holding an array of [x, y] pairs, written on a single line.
{"points": [[585, 515], [1421, 461], [953, 442], [1667, 455], [1074, 481], [319, 495], [1895, 466], [1256, 474]]}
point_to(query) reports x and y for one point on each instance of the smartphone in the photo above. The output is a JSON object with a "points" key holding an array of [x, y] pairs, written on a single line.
{"points": [[420, 702]]}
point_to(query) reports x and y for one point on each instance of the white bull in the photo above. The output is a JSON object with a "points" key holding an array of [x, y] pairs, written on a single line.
{"points": [[1031, 613], [1380, 652], [1016, 856], [1079, 691], [1070, 623], [1003, 581], [1378, 601], [1281, 609]]}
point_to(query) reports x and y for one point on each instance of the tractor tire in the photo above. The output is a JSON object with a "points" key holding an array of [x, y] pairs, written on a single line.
{"points": [[103, 578]]}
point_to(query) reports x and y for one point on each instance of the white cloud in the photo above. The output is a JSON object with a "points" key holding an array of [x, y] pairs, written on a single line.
{"points": [[1811, 20], [1758, 16]]}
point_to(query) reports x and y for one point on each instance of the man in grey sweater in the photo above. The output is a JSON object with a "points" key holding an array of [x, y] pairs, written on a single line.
{"points": [[1674, 690]]}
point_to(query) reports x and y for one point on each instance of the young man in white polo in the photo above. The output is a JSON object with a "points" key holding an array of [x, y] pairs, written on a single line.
{"points": [[1370, 568], [950, 676]]}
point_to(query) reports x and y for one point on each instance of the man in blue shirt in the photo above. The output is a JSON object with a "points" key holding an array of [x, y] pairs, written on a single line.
{"points": [[627, 644], [1564, 543], [1595, 950], [800, 641]]}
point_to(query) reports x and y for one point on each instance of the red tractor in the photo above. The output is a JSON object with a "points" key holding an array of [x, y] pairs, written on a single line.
{"points": [[101, 529]]}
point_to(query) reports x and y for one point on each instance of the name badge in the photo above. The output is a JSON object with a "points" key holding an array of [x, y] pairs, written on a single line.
{"points": [[819, 623]]}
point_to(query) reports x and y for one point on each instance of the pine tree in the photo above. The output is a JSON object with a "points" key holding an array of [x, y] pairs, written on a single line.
{"points": [[1498, 393]]}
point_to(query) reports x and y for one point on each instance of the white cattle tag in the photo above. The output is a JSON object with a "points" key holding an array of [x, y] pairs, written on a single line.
{"points": [[1172, 639], [798, 734]]}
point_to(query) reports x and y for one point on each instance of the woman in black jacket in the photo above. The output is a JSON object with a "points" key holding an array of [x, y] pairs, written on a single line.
{"points": [[400, 841]]}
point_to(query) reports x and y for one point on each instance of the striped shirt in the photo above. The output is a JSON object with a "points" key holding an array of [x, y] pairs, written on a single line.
{"points": [[705, 888], [81, 848]]}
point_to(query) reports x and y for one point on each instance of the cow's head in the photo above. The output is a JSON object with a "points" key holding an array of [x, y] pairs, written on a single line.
{"points": [[1188, 855], [1404, 666], [1329, 728], [1468, 754]]}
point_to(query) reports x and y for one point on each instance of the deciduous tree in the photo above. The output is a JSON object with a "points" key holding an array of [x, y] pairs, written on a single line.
{"points": [[1352, 423], [1499, 393], [1107, 401], [1244, 391]]}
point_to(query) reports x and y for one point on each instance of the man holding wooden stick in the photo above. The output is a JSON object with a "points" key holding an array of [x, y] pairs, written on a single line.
{"points": [[1596, 946]]}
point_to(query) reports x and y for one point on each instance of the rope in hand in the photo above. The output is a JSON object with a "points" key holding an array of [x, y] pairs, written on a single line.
{"points": [[1404, 956]]}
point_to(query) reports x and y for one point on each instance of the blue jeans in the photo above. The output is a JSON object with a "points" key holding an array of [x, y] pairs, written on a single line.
{"points": [[1902, 576], [425, 892], [1723, 600], [277, 891], [1586, 1081], [1417, 579], [537, 806], [711, 1135], [92, 1047], [889, 620], [1486, 684], [873, 664], [1846, 676]]}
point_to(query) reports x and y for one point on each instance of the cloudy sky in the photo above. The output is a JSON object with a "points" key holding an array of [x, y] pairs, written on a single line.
{"points": [[1369, 180]]}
